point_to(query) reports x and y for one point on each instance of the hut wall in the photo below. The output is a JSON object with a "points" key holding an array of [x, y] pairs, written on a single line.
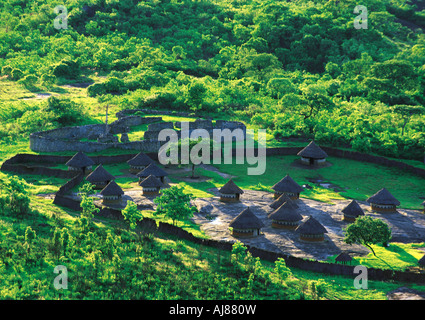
{"points": [[312, 238], [383, 208], [284, 225]]}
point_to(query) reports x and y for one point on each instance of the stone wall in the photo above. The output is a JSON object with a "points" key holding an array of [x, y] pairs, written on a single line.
{"points": [[68, 138], [205, 124]]}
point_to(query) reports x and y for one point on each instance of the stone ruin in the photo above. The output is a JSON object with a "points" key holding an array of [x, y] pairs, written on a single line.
{"points": [[98, 137]]}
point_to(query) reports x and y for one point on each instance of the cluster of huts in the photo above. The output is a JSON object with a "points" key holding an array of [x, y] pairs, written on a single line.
{"points": [[286, 192], [286, 214], [151, 177]]}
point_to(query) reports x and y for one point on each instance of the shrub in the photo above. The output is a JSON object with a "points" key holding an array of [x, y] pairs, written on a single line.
{"points": [[6, 71], [28, 81], [16, 74], [67, 69], [65, 111]]}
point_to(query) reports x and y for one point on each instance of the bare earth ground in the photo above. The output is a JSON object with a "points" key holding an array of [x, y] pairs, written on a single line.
{"points": [[406, 225]]}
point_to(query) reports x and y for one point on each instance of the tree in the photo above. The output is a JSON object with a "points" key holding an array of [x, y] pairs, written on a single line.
{"points": [[131, 214], [367, 231], [281, 269], [407, 112], [174, 204], [68, 69], [87, 204], [30, 236], [195, 95], [18, 200], [65, 111]]}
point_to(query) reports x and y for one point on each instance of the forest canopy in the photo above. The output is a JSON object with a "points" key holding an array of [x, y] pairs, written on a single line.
{"points": [[298, 68]]}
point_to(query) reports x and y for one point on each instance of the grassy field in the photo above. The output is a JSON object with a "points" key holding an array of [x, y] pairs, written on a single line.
{"points": [[351, 180]]}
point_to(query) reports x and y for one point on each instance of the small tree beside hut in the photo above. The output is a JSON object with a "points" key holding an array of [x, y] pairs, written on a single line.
{"points": [[175, 204], [367, 231]]}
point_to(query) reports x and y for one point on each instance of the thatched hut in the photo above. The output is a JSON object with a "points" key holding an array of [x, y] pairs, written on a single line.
{"points": [[313, 155], [281, 200], [343, 258], [383, 201], [152, 169], [139, 162], [288, 187], [246, 224], [311, 230], [352, 211], [112, 193], [151, 186], [230, 192], [285, 217], [80, 162], [99, 177]]}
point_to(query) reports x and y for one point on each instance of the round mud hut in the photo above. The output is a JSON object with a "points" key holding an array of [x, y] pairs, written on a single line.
{"points": [[383, 201], [313, 155], [288, 187], [285, 217], [343, 258], [230, 192], [112, 193], [99, 177], [311, 230], [281, 200], [352, 211], [246, 224], [151, 186], [80, 162], [139, 162], [152, 169]]}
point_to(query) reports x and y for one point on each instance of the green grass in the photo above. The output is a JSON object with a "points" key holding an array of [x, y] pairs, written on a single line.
{"points": [[397, 256], [355, 180]]}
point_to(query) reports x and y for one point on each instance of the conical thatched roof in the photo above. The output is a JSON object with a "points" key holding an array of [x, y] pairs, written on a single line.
{"points": [[99, 175], [312, 150], [287, 184], [286, 213], [281, 200], [246, 220], [343, 257], [112, 189], [152, 169], [151, 182], [140, 160], [311, 226], [421, 261], [353, 209], [230, 188], [383, 197], [80, 160]]}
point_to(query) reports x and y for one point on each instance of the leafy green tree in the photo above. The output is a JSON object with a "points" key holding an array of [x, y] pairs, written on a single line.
{"points": [[407, 112], [65, 111], [367, 231], [195, 95], [56, 242], [69, 69], [131, 214], [281, 269], [87, 204], [30, 237], [175, 204], [28, 81]]}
